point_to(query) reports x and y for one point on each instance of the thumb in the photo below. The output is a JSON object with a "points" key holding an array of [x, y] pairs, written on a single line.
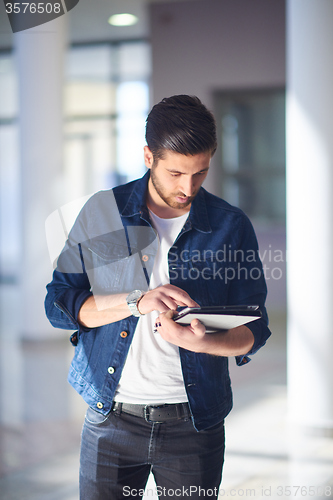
{"points": [[198, 327]]}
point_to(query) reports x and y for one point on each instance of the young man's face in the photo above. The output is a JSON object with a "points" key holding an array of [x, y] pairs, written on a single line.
{"points": [[175, 181]]}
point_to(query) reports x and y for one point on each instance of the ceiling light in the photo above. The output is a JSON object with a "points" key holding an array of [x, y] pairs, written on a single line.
{"points": [[123, 20]]}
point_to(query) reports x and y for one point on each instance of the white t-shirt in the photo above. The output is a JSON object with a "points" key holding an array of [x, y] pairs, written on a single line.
{"points": [[152, 373]]}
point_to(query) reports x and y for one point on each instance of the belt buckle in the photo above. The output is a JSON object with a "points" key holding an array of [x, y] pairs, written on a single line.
{"points": [[146, 414]]}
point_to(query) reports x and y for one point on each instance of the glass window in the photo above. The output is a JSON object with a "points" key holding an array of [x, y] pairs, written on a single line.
{"points": [[9, 170], [132, 106], [134, 61], [252, 152], [106, 100], [9, 202], [106, 103], [8, 87]]}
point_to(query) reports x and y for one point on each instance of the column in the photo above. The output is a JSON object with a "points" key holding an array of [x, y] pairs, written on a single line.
{"points": [[34, 378], [310, 213], [40, 63]]}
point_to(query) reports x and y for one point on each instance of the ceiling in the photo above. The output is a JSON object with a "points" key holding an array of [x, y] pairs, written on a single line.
{"points": [[87, 22]]}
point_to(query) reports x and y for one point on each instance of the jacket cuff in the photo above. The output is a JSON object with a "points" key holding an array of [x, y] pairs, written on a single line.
{"points": [[260, 333], [73, 300]]}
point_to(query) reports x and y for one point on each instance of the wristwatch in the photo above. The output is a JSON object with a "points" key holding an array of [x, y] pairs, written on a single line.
{"points": [[132, 300]]}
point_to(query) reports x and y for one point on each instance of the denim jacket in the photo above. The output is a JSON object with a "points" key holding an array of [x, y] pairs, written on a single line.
{"points": [[111, 249]]}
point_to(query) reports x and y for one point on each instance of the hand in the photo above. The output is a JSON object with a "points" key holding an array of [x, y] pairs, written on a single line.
{"points": [[165, 298], [190, 337]]}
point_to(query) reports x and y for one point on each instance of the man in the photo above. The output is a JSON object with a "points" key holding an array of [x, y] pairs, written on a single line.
{"points": [[158, 392]]}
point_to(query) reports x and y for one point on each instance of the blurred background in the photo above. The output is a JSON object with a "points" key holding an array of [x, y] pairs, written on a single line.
{"points": [[74, 96]]}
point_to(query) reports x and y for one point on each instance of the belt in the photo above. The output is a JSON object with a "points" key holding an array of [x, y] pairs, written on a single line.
{"points": [[154, 414]]}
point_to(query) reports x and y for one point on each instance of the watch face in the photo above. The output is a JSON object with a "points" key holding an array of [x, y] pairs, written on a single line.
{"points": [[132, 299], [134, 296]]}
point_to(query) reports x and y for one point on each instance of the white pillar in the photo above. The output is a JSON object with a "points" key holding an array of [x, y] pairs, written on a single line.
{"points": [[40, 63], [310, 212]]}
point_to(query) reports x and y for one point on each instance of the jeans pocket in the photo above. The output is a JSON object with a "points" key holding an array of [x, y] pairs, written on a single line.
{"points": [[95, 418]]}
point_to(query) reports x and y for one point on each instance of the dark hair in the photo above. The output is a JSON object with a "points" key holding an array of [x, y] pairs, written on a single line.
{"points": [[182, 124]]}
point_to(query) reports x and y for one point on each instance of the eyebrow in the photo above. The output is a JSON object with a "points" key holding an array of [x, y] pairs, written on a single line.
{"points": [[172, 171]]}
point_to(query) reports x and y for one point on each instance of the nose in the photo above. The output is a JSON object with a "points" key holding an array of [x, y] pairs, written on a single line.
{"points": [[188, 185]]}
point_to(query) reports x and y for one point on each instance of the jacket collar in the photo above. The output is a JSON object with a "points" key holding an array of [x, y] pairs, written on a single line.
{"points": [[136, 204]]}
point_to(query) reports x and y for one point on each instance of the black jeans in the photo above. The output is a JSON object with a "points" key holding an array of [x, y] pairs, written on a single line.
{"points": [[119, 451]]}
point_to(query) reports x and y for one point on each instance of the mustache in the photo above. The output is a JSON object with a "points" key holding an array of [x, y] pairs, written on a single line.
{"points": [[182, 195]]}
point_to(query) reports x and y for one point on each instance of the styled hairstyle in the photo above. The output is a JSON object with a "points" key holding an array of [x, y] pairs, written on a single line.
{"points": [[181, 124]]}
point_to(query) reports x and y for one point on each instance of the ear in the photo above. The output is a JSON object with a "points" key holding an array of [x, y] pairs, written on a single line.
{"points": [[148, 157]]}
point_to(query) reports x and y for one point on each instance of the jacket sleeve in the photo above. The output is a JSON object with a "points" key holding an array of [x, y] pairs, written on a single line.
{"points": [[70, 285], [69, 288], [249, 287], [65, 295]]}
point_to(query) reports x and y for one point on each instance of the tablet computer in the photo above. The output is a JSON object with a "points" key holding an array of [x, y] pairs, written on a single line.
{"points": [[219, 317]]}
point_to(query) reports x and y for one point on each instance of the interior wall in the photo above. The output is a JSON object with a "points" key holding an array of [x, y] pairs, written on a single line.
{"points": [[204, 45]]}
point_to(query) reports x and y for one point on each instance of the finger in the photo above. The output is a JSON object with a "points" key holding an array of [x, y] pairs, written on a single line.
{"points": [[185, 300], [169, 314], [188, 304], [181, 297], [198, 327], [165, 317], [162, 307], [167, 303]]}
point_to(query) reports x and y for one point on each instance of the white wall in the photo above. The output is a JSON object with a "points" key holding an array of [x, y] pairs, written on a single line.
{"points": [[204, 45]]}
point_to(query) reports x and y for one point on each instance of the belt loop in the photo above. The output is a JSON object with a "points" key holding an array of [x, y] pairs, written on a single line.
{"points": [[117, 407], [146, 413]]}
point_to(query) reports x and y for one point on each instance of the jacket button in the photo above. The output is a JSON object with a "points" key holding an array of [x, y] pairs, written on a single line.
{"points": [[145, 258], [123, 334], [111, 370], [99, 405]]}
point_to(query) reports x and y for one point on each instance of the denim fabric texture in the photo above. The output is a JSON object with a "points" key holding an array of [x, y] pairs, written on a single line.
{"points": [[119, 451], [111, 249]]}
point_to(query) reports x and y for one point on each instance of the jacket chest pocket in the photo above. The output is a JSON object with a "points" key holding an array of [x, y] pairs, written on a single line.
{"points": [[115, 271]]}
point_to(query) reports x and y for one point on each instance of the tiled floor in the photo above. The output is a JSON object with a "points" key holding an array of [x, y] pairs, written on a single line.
{"points": [[264, 457]]}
